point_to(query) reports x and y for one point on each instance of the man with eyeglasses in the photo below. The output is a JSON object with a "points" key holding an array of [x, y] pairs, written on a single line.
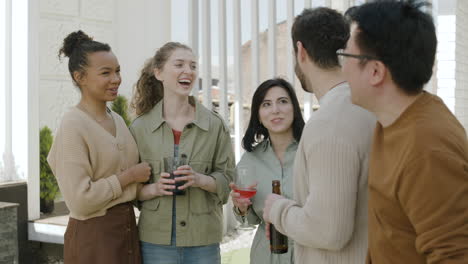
{"points": [[418, 174], [328, 217]]}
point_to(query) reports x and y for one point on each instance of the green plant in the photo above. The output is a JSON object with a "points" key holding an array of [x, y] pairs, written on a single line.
{"points": [[120, 106], [48, 183]]}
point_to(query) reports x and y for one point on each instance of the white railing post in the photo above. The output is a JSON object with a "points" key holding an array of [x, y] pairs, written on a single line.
{"points": [[33, 111], [193, 35], [307, 96], [222, 84], [8, 158], [255, 44], [206, 53], [272, 38], [239, 101], [431, 86], [289, 47]]}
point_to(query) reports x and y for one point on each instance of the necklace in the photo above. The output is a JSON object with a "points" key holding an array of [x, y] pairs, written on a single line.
{"points": [[91, 115]]}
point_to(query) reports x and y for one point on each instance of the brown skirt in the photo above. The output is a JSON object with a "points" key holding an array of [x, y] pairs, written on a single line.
{"points": [[112, 238]]}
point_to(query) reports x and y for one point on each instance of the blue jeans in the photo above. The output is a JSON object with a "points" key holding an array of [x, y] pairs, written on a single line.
{"points": [[161, 254]]}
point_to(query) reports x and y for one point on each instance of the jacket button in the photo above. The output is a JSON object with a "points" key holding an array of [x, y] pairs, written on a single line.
{"points": [[182, 223], [189, 126]]}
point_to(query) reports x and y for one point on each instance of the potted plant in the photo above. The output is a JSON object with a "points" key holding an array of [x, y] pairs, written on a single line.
{"points": [[120, 106], [48, 184]]}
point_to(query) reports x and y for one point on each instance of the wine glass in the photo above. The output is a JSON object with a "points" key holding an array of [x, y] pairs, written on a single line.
{"points": [[245, 187]]}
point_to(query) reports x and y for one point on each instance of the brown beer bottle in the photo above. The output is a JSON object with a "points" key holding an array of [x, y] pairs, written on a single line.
{"points": [[278, 241]]}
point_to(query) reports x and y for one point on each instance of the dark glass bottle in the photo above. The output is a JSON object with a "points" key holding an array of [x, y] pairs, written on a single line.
{"points": [[278, 241]]}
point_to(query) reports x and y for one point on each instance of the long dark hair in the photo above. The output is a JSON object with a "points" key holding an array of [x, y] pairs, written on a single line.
{"points": [[148, 90], [256, 132]]}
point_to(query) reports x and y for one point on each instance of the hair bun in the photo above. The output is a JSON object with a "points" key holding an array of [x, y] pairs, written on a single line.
{"points": [[72, 41]]}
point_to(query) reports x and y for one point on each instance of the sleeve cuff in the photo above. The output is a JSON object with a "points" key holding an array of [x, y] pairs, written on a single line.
{"points": [[115, 186], [222, 186], [276, 211]]}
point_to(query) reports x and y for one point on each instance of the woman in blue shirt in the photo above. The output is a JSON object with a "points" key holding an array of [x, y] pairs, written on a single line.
{"points": [[270, 141]]}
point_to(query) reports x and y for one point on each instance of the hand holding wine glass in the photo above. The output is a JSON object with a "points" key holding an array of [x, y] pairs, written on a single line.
{"points": [[244, 188], [240, 198]]}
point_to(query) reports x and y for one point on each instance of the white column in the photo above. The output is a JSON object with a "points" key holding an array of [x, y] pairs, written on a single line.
{"points": [[157, 27], [272, 38], [239, 101], [33, 110], [206, 48], [289, 48], [346, 4], [255, 44], [193, 25], [142, 27], [461, 55], [193, 31], [8, 159], [431, 86], [307, 96], [222, 84]]}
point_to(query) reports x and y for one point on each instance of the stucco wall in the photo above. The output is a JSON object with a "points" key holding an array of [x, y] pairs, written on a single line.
{"points": [[134, 29], [461, 55]]}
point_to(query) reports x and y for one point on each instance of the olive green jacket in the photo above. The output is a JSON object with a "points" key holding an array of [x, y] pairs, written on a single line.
{"points": [[207, 144]]}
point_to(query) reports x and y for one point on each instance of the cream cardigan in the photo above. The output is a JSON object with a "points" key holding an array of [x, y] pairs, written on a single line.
{"points": [[86, 159], [328, 217]]}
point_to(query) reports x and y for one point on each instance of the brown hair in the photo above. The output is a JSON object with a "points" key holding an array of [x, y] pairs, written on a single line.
{"points": [[148, 90]]}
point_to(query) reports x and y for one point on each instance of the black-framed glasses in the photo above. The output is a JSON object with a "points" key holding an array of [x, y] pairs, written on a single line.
{"points": [[341, 55]]}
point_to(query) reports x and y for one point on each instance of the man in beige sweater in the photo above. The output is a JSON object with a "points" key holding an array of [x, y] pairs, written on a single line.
{"points": [[418, 170], [328, 217]]}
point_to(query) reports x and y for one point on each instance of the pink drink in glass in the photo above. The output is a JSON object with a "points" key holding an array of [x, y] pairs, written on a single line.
{"points": [[246, 192]]}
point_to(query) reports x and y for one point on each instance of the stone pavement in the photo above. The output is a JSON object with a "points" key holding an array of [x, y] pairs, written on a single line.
{"points": [[235, 247], [238, 256]]}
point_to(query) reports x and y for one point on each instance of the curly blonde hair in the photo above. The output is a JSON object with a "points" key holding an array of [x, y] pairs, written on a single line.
{"points": [[148, 90]]}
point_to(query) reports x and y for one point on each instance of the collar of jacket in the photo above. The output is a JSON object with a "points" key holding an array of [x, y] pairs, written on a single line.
{"points": [[202, 117], [266, 144]]}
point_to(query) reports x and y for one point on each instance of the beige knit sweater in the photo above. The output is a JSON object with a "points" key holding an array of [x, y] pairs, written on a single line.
{"points": [[328, 217], [85, 159]]}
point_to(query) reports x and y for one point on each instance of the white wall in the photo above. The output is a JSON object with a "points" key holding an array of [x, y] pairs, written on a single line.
{"points": [[446, 60], [134, 29], [461, 55]]}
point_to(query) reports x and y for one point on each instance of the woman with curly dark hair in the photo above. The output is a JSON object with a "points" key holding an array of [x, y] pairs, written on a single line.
{"points": [[95, 161]]}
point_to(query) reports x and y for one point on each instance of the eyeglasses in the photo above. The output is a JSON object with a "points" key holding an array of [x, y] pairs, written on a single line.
{"points": [[341, 56]]}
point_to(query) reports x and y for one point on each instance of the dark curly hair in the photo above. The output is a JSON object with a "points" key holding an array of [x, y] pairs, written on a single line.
{"points": [[77, 46], [256, 132], [322, 31], [402, 36], [148, 90]]}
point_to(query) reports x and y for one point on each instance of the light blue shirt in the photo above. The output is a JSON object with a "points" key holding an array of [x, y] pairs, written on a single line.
{"points": [[263, 167]]}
